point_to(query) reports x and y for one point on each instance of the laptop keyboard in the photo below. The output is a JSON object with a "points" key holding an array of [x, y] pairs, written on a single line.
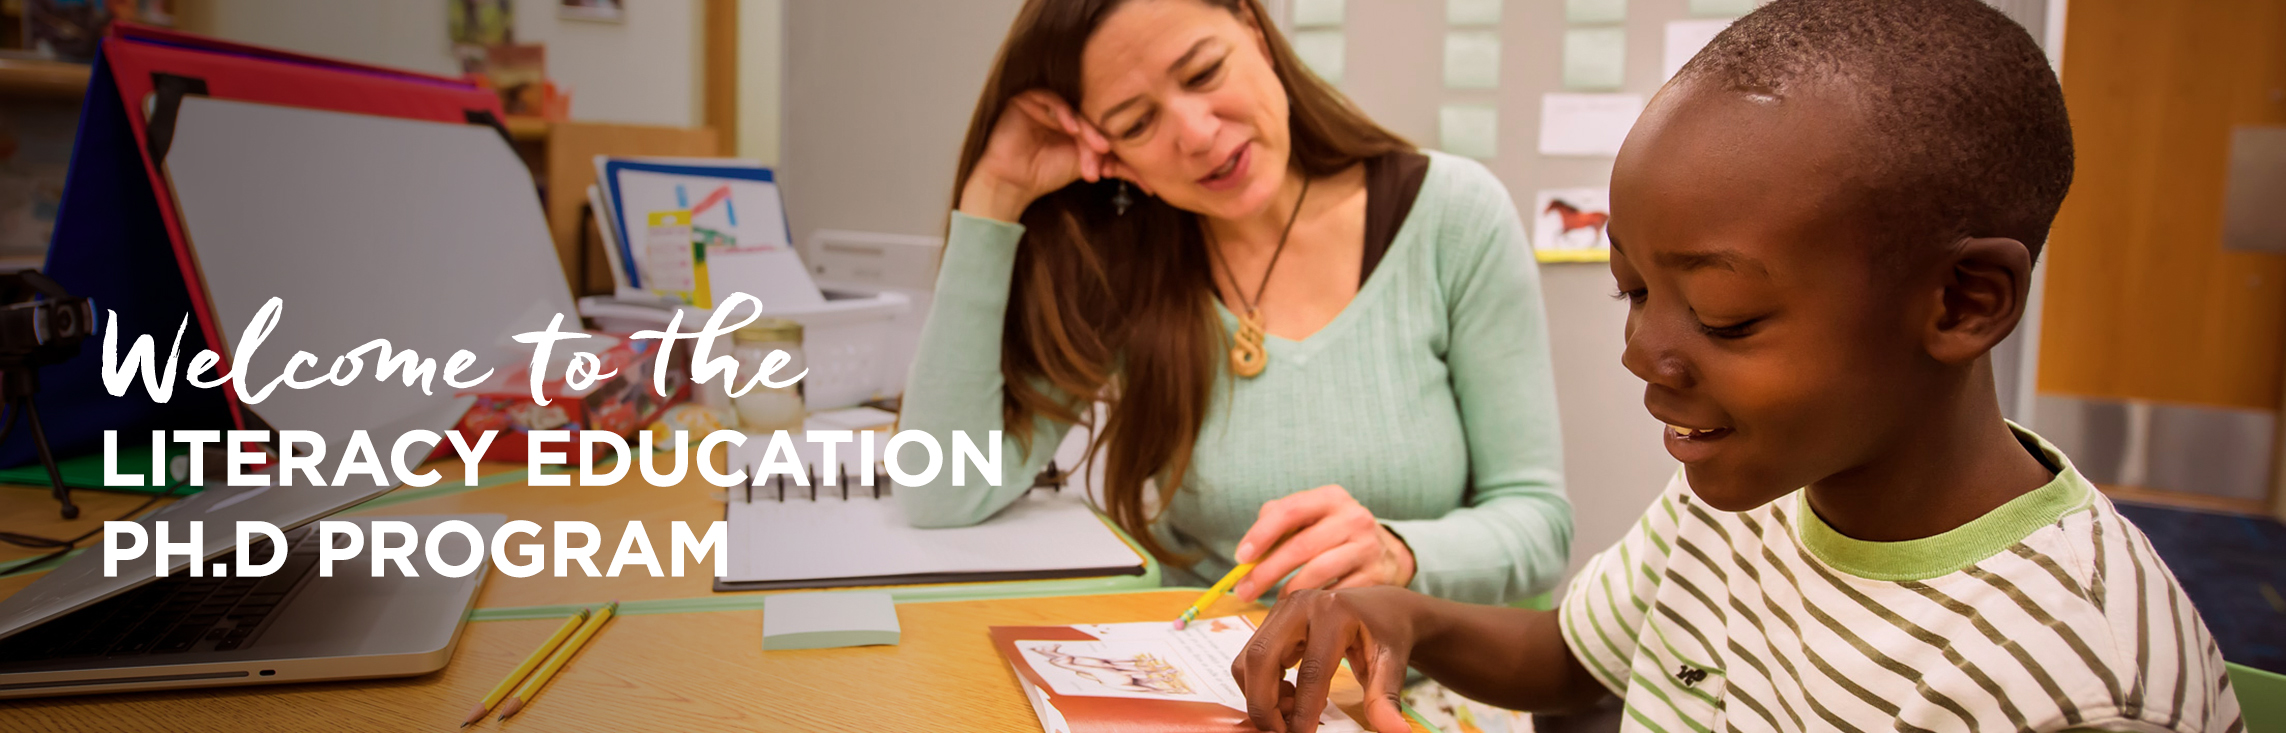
{"points": [[174, 614]]}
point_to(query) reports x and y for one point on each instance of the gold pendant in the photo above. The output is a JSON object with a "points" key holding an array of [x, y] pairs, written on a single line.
{"points": [[1248, 357]]}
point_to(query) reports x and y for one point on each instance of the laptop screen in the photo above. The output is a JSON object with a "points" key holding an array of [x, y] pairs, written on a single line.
{"points": [[427, 234]]}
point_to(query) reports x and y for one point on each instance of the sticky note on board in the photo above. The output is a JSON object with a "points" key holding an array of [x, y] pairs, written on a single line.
{"points": [[828, 620], [1469, 130], [1595, 11], [1472, 60], [1324, 51], [1472, 12], [1732, 8], [1318, 13], [1595, 58]]}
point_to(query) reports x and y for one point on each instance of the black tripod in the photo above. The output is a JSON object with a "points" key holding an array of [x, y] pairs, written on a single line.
{"points": [[18, 381]]}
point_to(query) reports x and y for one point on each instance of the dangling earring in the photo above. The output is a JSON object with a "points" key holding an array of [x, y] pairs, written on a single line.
{"points": [[1120, 200]]}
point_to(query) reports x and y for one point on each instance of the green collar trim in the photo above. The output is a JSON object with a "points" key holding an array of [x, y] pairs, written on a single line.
{"points": [[1945, 553]]}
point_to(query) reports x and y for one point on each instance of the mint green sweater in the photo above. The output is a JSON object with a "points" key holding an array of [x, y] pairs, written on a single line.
{"points": [[1429, 398]]}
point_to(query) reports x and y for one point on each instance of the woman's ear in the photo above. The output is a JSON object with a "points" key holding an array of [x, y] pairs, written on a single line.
{"points": [[1115, 168], [1985, 284]]}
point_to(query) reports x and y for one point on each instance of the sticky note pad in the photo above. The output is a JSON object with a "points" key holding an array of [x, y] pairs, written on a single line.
{"points": [[1469, 130], [1723, 7], [1472, 59], [1318, 13], [1595, 11], [1472, 12], [828, 620], [1595, 58], [1323, 50]]}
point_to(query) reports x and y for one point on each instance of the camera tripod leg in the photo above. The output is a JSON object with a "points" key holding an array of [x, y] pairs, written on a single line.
{"points": [[48, 460]]}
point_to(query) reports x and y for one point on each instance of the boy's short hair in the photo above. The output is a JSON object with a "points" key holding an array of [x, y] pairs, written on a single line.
{"points": [[1971, 138]]}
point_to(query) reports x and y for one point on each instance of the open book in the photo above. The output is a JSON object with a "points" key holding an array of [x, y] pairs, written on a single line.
{"points": [[1137, 677]]}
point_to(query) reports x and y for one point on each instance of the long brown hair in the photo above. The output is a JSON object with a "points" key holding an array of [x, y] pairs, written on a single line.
{"points": [[1115, 307]]}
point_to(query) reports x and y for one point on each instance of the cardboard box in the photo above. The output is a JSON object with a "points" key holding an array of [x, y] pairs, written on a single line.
{"points": [[620, 404]]}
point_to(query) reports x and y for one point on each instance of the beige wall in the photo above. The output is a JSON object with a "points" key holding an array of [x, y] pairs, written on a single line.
{"points": [[877, 95], [643, 69], [761, 71]]}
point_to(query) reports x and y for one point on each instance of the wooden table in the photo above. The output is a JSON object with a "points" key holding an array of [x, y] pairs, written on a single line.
{"points": [[688, 671], [662, 671]]}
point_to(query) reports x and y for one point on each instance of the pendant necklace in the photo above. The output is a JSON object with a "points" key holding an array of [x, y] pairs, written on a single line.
{"points": [[1247, 357]]}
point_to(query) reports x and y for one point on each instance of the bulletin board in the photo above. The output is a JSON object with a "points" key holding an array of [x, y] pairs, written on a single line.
{"points": [[1540, 91], [1398, 74]]}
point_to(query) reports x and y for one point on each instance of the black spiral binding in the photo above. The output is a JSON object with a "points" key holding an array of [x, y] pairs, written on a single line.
{"points": [[1051, 478]]}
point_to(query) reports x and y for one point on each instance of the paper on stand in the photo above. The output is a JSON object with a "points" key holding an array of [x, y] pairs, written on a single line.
{"points": [[776, 276]]}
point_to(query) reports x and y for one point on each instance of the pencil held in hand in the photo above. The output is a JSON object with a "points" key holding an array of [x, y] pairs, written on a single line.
{"points": [[1229, 580], [571, 625], [556, 661]]}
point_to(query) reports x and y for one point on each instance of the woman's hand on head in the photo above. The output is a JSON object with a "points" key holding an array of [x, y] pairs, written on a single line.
{"points": [[1331, 541], [1373, 628], [1038, 145]]}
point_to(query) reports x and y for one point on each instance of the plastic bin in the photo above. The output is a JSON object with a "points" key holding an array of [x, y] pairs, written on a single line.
{"points": [[850, 341]]}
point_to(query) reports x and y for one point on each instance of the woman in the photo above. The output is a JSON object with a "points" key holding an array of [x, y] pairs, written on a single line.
{"points": [[1158, 207]]}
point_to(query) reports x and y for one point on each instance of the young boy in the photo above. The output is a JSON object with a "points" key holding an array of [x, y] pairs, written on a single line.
{"points": [[1822, 225]]}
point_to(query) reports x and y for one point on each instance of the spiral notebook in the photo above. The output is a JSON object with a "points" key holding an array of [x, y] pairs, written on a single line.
{"points": [[785, 535]]}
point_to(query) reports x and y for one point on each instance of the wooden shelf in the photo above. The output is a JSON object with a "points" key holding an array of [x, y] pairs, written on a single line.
{"points": [[46, 79], [526, 128]]}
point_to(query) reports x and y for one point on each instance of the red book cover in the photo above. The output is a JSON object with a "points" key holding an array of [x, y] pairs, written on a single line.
{"points": [[1136, 678]]}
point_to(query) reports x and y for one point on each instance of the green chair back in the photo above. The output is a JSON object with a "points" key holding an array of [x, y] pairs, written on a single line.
{"points": [[2261, 697]]}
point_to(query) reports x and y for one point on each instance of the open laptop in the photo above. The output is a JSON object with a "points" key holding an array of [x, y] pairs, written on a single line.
{"points": [[364, 227], [74, 631]]}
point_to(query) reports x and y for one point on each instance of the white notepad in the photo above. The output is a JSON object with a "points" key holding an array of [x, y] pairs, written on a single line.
{"points": [[823, 537], [828, 620], [830, 541]]}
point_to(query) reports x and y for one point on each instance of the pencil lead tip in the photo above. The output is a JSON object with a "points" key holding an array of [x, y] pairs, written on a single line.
{"points": [[474, 714]]}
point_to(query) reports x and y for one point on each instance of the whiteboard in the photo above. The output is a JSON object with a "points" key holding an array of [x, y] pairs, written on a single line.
{"points": [[427, 234]]}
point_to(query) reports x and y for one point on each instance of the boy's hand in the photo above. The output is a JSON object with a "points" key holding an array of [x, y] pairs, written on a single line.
{"points": [[1372, 627]]}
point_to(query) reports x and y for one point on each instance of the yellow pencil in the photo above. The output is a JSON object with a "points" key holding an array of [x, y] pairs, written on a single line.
{"points": [[556, 661], [516, 675], [1222, 586]]}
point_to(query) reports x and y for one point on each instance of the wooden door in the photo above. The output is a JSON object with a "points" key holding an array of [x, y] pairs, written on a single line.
{"points": [[2143, 303]]}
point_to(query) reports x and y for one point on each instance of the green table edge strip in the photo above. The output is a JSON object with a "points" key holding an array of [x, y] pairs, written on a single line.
{"points": [[1415, 716], [917, 594], [1148, 580], [394, 498]]}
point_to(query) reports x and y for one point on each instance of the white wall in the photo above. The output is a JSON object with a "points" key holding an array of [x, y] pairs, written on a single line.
{"points": [[644, 69], [877, 96]]}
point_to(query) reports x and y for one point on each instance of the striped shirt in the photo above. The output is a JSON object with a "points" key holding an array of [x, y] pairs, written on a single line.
{"points": [[2049, 613]]}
